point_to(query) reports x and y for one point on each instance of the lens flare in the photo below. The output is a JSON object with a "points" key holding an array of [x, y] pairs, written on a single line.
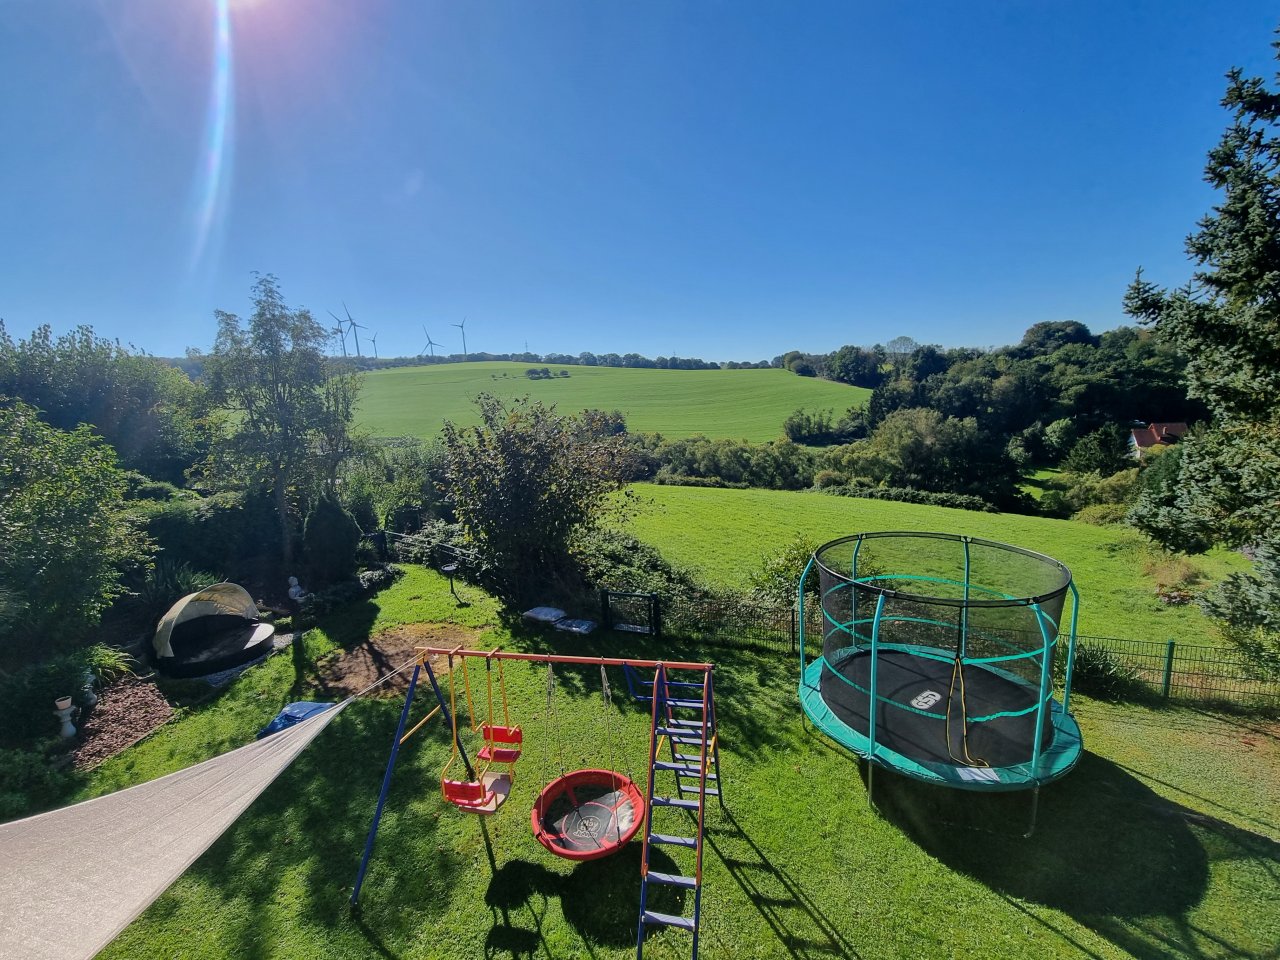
{"points": [[213, 177]]}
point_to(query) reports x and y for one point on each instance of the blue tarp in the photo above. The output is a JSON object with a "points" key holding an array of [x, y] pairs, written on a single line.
{"points": [[293, 713]]}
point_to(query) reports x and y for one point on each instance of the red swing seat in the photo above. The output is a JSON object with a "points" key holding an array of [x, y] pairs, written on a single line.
{"points": [[493, 735], [483, 796]]}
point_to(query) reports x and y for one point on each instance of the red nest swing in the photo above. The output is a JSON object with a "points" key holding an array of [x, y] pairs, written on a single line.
{"points": [[587, 814]]}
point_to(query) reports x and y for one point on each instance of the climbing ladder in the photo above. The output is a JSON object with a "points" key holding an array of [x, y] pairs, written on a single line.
{"points": [[683, 728]]}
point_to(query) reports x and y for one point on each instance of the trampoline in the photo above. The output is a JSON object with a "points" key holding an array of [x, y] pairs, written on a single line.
{"points": [[938, 658], [587, 814]]}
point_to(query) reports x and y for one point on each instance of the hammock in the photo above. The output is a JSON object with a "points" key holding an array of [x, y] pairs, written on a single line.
{"points": [[74, 878]]}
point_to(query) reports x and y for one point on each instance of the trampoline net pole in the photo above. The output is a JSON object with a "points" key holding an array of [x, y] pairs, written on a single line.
{"points": [[871, 707], [1071, 650], [1046, 678]]}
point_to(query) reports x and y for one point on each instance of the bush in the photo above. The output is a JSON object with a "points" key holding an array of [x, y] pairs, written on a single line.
{"points": [[27, 695], [331, 538], [775, 580], [325, 601], [1100, 673], [29, 783], [824, 479], [163, 585], [214, 533], [959, 501], [1102, 514]]}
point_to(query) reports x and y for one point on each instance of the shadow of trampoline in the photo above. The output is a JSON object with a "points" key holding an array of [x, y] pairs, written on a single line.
{"points": [[1104, 844]]}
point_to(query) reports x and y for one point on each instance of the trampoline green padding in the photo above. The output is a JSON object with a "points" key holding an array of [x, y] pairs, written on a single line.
{"points": [[955, 641]]}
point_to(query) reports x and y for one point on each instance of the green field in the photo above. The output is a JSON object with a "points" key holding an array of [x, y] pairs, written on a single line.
{"points": [[731, 404], [1162, 843], [723, 534]]}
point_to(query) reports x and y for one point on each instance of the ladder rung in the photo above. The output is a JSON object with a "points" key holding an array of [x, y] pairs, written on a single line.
{"points": [[680, 722], [667, 919], [689, 757], [674, 841], [688, 704], [679, 735], [685, 769], [670, 879], [675, 802]]}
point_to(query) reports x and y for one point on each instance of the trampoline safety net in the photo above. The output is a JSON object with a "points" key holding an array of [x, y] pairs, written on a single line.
{"points": [[955, 640]]}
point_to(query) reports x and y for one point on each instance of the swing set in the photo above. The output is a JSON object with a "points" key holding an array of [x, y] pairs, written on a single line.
{"points": [[581, 814]]}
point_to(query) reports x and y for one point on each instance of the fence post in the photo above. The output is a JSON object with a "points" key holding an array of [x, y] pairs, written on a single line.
{"points": [[793, 631], [605, 619], [1168, 669], [655, 615]]}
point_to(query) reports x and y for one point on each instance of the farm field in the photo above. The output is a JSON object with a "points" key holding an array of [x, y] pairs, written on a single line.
{"points": [[721, 404], [723, 535], [1163, 842]]}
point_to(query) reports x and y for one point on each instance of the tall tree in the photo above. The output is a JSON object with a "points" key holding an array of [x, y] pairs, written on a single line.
{"points": [[289, 410], [1226, 322]]}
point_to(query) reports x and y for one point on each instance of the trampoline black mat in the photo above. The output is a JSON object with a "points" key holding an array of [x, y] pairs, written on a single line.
{"points": [[904, 678], [589, 817]]}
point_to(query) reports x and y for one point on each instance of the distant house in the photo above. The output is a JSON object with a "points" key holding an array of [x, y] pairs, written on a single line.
{"points": [[1154, 436]]}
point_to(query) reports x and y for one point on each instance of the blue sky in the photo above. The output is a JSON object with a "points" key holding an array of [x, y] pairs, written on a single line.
{"points": [[727, 180]]}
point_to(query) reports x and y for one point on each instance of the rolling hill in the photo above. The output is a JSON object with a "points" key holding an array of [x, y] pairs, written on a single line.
{"points": [[732, 404]]}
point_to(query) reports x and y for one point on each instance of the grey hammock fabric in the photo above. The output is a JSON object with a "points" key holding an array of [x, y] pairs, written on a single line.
{"points": [[71, 879]]}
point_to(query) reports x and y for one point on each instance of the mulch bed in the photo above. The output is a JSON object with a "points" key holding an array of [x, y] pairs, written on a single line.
{"points": [[127, 711], [355, 669]]}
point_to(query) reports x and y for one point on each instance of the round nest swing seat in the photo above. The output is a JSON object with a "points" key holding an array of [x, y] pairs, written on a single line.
{"points": [[587, 814]]}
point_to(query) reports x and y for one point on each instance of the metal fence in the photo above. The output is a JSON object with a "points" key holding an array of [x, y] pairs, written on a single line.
{"points": [[1172, 671]]}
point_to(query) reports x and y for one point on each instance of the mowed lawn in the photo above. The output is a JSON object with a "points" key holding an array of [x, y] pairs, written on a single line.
{"points": [[724, 534], [1162, 843], [731, 404]]}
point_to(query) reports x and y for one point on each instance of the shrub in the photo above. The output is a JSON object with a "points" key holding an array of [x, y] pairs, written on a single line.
{"points": [[164, 584], [331, 538], [1100, 673], [27, 695], [213, 533], [29, 783], [829, 478], [959, 501], [1102, 514], [775, 580]]}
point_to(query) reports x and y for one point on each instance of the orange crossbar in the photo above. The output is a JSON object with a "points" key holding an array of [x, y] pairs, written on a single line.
{"points": [[424, 652]]}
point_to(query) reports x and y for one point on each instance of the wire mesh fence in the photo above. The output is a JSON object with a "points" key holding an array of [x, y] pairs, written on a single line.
{"points": [[1167, 669]]}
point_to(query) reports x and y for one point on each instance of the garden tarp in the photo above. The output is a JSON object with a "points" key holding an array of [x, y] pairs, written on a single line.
{"points": [[71, 879]]}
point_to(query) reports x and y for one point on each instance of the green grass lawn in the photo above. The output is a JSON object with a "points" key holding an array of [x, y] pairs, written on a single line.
{"points": [[1162, 843], [723, 534], [1036, 482], [731, 404]]}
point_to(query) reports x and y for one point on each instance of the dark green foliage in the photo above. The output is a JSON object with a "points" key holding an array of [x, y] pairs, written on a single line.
{"points": [[611, 559], [163, 585], [958, 501], [67, 539], [27, 694], [1051, 335], [921, 449], [1102, 674], [819, 429], [219, 533], [330, 538], [856, 366], [698, 461], [29, 783], [148, 411], [525, 484], [1105, 451], [1226, 323]]}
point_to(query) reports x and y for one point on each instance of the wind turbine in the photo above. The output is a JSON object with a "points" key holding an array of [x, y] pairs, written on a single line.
{"points": [[463, 327], [431, 344], [340, 332], [374, 338], [354, 327]]}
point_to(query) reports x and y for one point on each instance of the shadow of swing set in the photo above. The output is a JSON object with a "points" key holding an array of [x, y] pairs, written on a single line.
{"points": [[584, 814]]}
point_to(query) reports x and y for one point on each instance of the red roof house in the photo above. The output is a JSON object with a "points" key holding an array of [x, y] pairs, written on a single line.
{"points": [[1155, 436]]}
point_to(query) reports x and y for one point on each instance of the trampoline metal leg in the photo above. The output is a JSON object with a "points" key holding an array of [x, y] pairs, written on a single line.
{"points": [[871, 784], [1035, 811]]}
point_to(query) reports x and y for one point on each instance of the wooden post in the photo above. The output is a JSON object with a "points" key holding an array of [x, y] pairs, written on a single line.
{"points": [[1168, 669]]}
